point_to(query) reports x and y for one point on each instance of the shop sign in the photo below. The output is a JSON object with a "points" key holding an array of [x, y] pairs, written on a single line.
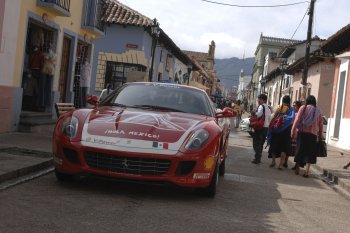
{"points": [[132, 46]]}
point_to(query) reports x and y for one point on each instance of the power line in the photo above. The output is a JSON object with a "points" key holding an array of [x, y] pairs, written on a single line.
{"points": [[300, 22], [254, 6]]}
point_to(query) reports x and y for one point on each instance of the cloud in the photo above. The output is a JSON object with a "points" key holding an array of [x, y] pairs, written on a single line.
{"points": [[192, 25]]}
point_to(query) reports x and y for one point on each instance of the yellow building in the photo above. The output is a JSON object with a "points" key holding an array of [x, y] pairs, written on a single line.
{"points": [[42, 47]]}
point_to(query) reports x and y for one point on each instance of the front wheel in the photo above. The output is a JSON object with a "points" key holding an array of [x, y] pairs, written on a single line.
{"points": [[210, 191], [222, 167], [63, 177]]}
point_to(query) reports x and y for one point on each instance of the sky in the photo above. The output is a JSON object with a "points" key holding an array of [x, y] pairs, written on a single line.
{"points": [[193, 24]]}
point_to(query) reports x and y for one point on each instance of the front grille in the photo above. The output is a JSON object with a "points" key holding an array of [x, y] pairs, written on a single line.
{"points": [[129, 165]]}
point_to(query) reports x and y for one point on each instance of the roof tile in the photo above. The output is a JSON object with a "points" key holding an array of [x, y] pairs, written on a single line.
{"points": [[117, 12]]}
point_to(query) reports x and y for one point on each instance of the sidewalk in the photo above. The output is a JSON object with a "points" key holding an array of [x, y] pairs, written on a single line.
{"points": [[24, 153], [332, 169]]}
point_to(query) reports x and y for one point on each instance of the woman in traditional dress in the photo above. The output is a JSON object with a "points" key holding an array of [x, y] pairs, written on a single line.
{"points": [[307, 130]]}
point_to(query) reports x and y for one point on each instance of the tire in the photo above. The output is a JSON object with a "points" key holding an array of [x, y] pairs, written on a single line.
{"points": [[222, 167], [210, 191], [63, 177]]}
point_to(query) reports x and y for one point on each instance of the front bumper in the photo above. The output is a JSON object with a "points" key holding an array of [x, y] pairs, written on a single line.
{"points": [[190, 170]]}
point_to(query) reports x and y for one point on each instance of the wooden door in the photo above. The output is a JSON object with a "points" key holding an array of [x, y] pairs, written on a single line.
{"points": [[62, 85]]}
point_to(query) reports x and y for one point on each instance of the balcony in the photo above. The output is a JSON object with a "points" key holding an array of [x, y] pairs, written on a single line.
{"points": [[92, 14], [58, 7]]}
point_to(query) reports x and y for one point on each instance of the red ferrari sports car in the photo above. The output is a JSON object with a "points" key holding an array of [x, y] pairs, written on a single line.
{"points": [[147, 131]]}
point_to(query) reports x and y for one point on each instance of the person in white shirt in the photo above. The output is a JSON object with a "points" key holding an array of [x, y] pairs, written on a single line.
{"points": [[259, 136]]}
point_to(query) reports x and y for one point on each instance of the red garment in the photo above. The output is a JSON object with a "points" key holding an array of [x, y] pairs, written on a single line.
{"points": [[37, 60]]}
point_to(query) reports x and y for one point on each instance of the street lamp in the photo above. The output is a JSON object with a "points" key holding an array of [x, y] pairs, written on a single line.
{"points": [[155, 31], [189, 69]]}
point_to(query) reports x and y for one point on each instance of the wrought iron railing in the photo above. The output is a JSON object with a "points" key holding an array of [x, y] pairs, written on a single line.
{"points": [[64, 4], [92, 14]]}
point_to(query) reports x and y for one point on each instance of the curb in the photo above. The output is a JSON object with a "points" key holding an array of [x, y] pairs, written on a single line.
{"points": [[26, 170], [340, 185]]}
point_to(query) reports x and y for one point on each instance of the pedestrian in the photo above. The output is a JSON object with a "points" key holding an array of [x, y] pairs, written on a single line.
{"points": [[296, 106], [238, 109], [307, 129], [259, 136], [279, 135]]}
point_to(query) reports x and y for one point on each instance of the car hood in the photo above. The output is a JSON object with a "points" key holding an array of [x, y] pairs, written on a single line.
{"points": [[137, 130]]}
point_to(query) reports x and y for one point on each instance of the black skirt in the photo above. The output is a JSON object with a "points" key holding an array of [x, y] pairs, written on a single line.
{"points": [[306, 149], [281, 142]]}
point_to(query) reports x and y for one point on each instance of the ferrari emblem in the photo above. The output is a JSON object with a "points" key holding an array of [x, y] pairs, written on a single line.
{"points": [[125, 163]]}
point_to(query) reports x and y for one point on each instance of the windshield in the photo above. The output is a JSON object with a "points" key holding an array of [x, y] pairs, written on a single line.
{"points": [[160, 97]]}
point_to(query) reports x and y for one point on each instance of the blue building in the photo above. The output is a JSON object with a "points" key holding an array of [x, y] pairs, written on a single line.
{"points": [[125, 53]]}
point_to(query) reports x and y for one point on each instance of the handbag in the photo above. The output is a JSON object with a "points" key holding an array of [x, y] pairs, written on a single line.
{"points": [[321, 148], [257, 123]]}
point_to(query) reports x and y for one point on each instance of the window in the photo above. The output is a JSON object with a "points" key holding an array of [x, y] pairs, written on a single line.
{"points": [[41, 36], [161, 55], [117, 73]]}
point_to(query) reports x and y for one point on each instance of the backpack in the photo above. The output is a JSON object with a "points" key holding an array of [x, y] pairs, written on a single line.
{"points": [[282, 120]]}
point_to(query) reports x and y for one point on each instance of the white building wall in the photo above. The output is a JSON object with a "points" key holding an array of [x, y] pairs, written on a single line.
{"points": [[343, 141]]}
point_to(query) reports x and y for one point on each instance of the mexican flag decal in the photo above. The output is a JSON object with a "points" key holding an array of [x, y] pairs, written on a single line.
{"points": [[160, 145]]}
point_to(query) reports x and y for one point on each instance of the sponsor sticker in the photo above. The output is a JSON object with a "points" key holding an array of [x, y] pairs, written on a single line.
{"points": [[201, 176]]}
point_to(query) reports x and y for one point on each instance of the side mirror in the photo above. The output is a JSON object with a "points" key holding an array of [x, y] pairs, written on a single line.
{"points": [[226, 112], [92, 99]]}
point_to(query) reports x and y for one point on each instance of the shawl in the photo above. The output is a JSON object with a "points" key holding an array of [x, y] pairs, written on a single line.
{"points": [[309, 115]]}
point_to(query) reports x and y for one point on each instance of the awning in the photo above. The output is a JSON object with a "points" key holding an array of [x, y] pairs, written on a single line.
{"points": [[198, 85]]}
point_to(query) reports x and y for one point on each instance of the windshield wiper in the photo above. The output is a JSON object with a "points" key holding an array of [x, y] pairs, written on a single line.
{"points": [[156, 107]]}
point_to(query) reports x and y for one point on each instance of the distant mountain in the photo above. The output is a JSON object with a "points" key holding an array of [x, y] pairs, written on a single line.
{"points": [[228, 69]]}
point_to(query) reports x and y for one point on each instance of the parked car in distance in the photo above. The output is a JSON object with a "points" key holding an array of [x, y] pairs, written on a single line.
{"points": [[244, 125], [157, 132]]}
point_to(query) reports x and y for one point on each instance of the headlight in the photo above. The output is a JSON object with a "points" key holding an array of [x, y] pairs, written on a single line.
{"points": [[198, 139], [70, 127]]}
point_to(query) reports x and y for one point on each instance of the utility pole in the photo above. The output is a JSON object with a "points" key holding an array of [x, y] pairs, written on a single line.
{"points": [[307, 51]]}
